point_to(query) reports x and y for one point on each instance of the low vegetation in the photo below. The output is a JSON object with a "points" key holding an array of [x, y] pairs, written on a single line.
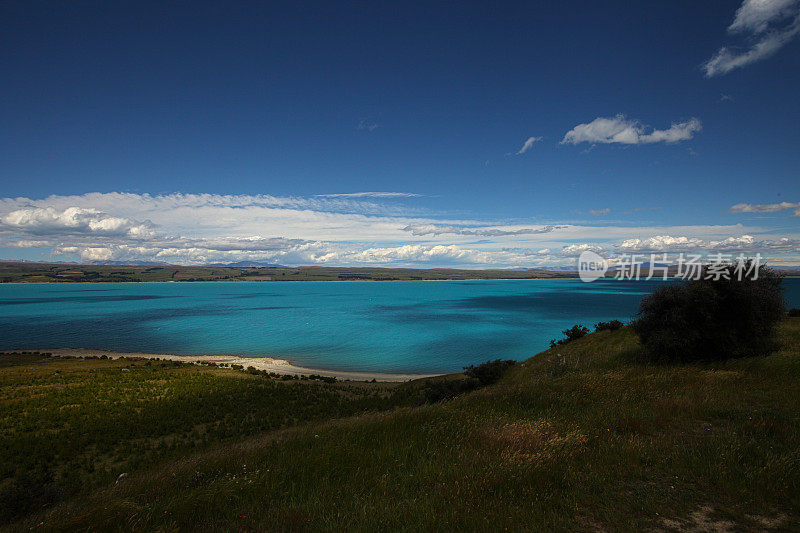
{"points": [[586, 436], [23, 272], [490, 371], [611, 325], [69, 424], [715, 317], [575, 332]]}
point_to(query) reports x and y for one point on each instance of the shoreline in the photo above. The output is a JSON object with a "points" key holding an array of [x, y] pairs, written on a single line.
{"points": [[269, 364], [287, 281]]}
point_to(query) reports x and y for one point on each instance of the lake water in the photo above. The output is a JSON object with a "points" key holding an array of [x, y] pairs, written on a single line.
{"points": [[405, 326]]}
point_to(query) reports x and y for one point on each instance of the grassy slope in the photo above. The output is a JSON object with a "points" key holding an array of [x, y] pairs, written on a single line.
{"points": [[67, 425], [579, 437]]}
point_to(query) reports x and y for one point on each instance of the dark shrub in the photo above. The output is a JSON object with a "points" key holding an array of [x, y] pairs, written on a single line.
{"points": [[438, 390], [488, 372], [711, 319], [575, 332], [794, 312], [611, 325]]}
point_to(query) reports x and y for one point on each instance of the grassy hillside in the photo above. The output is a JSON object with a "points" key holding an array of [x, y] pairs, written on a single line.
{"points": [[19, 272], [580, 437]]}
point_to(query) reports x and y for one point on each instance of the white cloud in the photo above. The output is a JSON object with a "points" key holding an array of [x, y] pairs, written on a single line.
{"points": [[746, 244], [27, 243], [200, 251], [437, 229], [370, 195], [756, 15], [766, 208], [574, 250], [367, 125], [528, 144], [76, 220], [197, 229], [620, 130], [764, 24], [600, 212], [418, 253], [660, 243]]}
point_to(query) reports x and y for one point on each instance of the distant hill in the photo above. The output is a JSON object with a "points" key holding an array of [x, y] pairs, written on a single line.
{"points": [[254, 264], [21, 271]]}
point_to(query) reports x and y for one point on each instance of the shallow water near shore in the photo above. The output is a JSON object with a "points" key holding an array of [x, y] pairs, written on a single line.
{"points": [[406, 326]]}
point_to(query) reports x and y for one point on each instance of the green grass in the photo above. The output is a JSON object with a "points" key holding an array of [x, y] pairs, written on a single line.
{"points": [[67, 425], [580, 437]]}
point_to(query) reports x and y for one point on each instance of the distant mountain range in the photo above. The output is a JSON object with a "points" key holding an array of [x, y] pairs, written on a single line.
{"points": [[239, 264], [248, 264], [124, 263]]}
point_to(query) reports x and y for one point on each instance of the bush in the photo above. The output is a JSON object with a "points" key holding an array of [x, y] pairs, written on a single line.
{"points": [[612, 325], [438, 390], [711, 319], [488, 372], [794, 312], [575, 332]]}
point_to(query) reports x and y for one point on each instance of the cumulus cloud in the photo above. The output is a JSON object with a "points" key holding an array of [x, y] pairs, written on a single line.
{"points": [[200, 251], [747, 244], [436, 229], [414, 253], [767, 25], [621, 130], [528, 144], [766, 208], [75, 220], [198, 229], [574, 250], [660, 243]]}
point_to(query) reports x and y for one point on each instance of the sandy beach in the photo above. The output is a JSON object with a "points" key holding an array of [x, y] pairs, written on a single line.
{"points": [[270, 364]]}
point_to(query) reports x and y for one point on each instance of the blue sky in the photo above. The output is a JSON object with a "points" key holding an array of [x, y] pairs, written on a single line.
{"points": [[205, 132]]}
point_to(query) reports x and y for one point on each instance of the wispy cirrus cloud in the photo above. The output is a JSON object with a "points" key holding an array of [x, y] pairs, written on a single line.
{"points": [[620, 130], [768, 25], [528, 144], [368, 194], [367, 125], [767, 208], [437, 229]]}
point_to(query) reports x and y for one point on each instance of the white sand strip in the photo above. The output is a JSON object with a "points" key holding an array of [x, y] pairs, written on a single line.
{"points": [[270, 364]]}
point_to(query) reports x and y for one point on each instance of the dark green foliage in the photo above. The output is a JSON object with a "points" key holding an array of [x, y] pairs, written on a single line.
{"points": [[443, 389], [794, 312], [708, 319], [611, 325], [488, 372], [575, 332]]}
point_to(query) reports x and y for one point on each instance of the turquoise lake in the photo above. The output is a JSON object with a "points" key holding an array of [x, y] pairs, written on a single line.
{"points": [[405, 326]]}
